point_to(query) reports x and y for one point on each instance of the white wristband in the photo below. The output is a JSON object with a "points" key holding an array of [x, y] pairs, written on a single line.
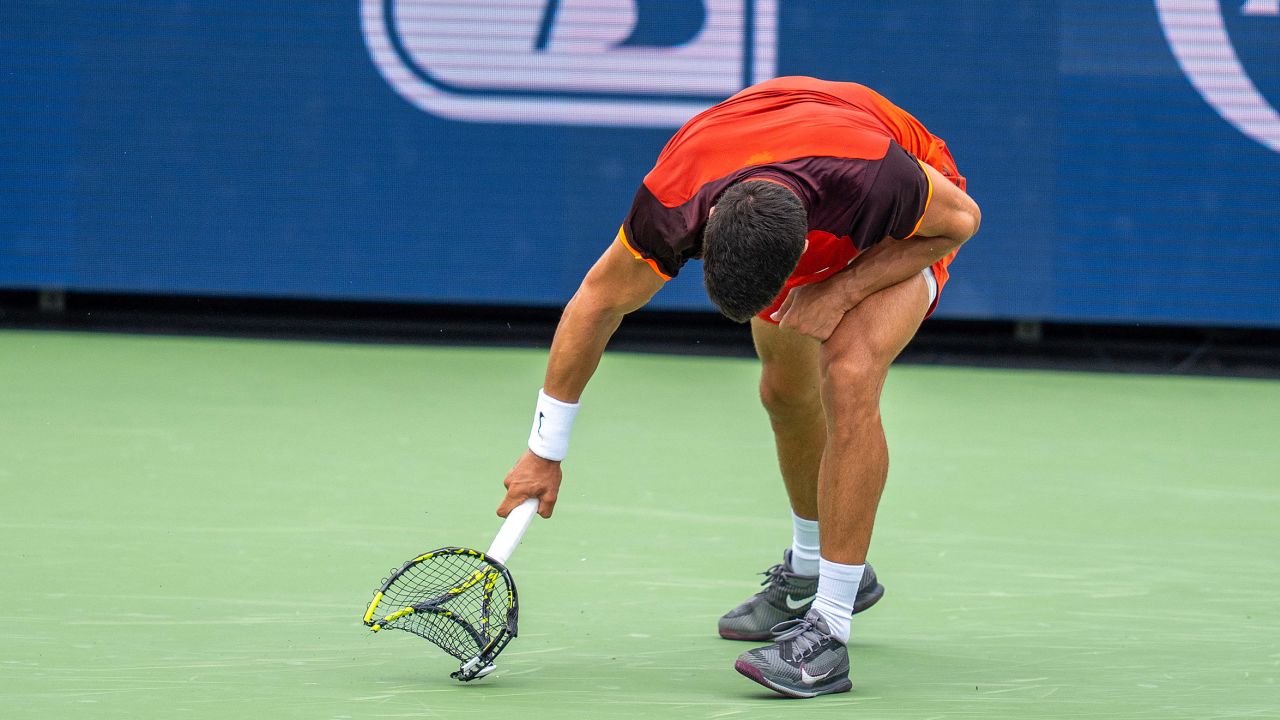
{"points": [[552, 421]]}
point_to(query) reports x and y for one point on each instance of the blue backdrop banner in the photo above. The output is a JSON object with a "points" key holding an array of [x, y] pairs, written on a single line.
{"points": [[1126, 155]]}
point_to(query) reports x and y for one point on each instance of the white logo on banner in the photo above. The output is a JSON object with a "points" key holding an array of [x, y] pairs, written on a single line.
{"points": [[1197, 32], [631, 63]]}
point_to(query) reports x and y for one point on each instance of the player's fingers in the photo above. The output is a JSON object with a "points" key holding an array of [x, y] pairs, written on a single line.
{"points": [[547, 504], [790, 321], [782, 310], [509, 503]]}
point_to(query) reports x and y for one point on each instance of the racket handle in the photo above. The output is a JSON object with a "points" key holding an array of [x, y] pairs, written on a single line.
{"points": [[512, 530]]}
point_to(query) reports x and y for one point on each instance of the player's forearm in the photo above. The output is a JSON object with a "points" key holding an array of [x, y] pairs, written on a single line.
{"points": [[950, 218], [580, 340], [892, 261]]}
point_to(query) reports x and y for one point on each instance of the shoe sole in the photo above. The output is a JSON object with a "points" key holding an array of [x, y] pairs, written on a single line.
{"points": [[865, 600], [753, 673], [872, 596]]}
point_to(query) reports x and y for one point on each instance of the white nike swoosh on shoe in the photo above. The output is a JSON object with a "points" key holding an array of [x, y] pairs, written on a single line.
{"points": [[808, 679], [797, 604]]}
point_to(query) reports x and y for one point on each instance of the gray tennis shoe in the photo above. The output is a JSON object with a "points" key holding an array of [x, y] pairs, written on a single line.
{"points": [[786, 596], [805, 660]]}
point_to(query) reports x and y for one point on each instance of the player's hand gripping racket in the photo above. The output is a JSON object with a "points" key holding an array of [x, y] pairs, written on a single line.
{"points": [[462, 600]]}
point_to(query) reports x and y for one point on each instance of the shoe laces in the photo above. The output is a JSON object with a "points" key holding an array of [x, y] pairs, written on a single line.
{"points": [[801, 637], [777, 576]]}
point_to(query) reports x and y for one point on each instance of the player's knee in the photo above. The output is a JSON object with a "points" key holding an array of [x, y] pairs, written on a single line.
{"points": [[852, 379], [853, 365], [788, 401]]}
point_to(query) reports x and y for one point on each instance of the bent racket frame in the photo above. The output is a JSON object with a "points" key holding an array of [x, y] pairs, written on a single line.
{"points": [[490, 633], [491, 575]]}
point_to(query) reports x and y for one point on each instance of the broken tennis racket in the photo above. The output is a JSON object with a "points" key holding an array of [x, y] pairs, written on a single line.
{"points": [[462, 600]]}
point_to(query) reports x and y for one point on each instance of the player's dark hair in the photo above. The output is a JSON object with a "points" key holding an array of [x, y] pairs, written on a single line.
{"points": [[752, 243]]}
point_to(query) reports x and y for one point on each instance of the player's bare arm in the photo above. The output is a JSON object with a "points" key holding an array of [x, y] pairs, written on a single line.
{"points": [[617, 284], [951, 218]]}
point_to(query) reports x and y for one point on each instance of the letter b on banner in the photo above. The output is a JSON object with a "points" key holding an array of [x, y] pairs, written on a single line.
{"points": [[631, 63]]}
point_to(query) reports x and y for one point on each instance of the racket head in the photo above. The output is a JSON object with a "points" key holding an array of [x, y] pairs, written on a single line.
{"points": [[461, 600]]}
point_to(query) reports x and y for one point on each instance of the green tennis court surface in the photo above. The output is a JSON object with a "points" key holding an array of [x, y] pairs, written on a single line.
{"points": [[192, 528]]}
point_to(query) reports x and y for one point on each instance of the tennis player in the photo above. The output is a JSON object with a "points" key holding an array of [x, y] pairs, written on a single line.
{"points": [[826, 217]]}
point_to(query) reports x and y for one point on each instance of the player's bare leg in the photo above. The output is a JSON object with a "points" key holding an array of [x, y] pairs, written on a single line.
{"points": [[855, 362], [809, 656], [791, 392], [790, 389]]}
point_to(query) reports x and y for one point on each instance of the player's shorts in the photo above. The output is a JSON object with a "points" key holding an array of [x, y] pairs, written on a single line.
{"points": [[828, 255]]}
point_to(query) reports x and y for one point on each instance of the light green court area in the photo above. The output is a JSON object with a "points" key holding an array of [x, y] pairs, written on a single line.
{"points": [[191, 528]]}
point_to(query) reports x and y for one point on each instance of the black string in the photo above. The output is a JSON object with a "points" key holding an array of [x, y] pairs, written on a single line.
{"points": [[461, 602]]}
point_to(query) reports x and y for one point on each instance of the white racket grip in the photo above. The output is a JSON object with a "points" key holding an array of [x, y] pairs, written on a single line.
{"points": [[512, 530]]}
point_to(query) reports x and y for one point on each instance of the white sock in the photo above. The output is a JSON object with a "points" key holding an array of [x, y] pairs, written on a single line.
{"points": [[804, 546], [837, 589]]}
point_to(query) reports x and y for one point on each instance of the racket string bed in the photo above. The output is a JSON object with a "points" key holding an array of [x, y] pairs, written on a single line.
{"points": [[462, 600], [459, 599]]}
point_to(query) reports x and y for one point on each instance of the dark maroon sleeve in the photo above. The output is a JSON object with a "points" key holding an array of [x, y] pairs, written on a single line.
{"points": [[895, 202], [667, 236]]}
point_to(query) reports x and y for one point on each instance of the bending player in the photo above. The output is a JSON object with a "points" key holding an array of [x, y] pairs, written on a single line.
{"points": [[827, 217]]}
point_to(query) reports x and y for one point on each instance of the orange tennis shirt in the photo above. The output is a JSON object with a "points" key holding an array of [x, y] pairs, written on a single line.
{"points": [[846, 151]]}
